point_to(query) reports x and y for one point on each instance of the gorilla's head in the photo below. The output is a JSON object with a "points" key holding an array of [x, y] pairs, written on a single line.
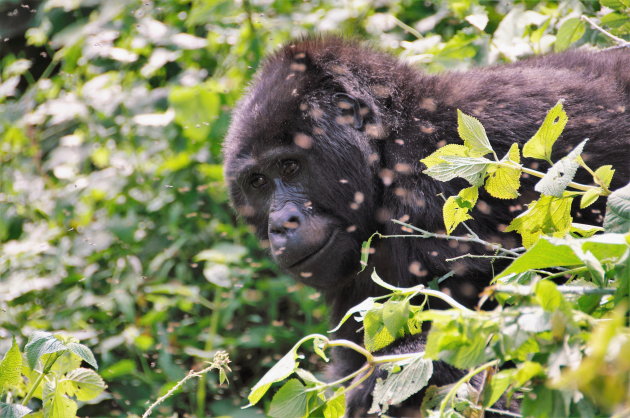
{"points": [[302, 158]]}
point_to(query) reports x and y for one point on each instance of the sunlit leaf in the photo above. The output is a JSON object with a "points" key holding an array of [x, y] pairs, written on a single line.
{"points": [[540, 145], [84, 384], [456, 208], [10, 368], [473, 134], [289, 401]]}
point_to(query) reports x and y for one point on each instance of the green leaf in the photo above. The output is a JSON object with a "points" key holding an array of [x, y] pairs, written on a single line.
{"points": [[619, 23], [473, 134], [365, 251], [12, 410], [545, 253], [83, 352], [589, 197], [583, 230], [453, 150], [472, 169], [504, 179], [540, 145], [223, 253], [11, 369], [289, 401], [84, 384], [281, 370], [318, 344], [604, 175], [399, 386], [617, 217], [40, 343], [456, 208], [497, 387], [570, 31], [548, 296], [561, 173], [55, 403], [548, 215], [615, 4], [336, 406], [194, 108], [376, 335], [395, 316]]}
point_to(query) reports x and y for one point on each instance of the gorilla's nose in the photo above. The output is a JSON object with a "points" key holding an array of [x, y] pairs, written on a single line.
{"points": [[284, 222]]}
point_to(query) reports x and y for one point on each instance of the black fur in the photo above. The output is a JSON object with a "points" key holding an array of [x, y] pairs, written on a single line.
{"points": [[358, 121]]}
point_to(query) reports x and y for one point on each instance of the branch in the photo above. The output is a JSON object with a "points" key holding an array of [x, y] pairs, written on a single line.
{"points": [[617, 39], [427, 234], [573, 290]]}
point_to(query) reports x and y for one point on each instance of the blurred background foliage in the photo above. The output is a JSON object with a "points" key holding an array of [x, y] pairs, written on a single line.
{"points": [[114, 221]]}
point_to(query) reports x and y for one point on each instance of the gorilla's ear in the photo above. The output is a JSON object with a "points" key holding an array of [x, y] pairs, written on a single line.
{"points": [[349, 106]]}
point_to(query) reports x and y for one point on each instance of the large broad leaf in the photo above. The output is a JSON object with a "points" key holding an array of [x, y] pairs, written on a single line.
{"points": [[400, 386], [556, 252], [570, 31], [561, 173], [281, 370], [83, 352], [41, 343], [548, 215], [11, 410], [56, 404], [617, 217], [540, 145], [84, 384], [10, 368], [473, 134], [290, 400]]}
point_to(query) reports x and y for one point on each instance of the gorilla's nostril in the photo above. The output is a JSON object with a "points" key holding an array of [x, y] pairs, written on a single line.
{"points": [[292, 223]]}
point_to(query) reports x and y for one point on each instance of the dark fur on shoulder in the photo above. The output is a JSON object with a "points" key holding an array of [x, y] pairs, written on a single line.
{"points": [[324, 150]]}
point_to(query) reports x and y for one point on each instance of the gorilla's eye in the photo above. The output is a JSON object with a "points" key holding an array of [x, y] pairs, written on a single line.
{"points": [[290, 167], [257, 181]]}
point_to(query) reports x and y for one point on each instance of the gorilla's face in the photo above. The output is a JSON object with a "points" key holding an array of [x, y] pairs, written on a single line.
{"points": [[302, 173]]}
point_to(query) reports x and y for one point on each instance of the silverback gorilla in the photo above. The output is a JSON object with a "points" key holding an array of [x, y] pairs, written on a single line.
{"points": [[324, 150]]}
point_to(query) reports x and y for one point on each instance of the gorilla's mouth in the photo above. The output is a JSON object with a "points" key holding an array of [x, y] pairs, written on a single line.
{"points": [[316, 253]]}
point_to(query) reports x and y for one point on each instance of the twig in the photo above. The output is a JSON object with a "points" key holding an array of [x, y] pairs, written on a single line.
{"points": [[220, 361], [480, 256], [617, 39], [427, 234]]}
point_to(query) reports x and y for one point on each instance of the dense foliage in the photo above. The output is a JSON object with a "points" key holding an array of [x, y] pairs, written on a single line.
{"points": [[114, 224]]}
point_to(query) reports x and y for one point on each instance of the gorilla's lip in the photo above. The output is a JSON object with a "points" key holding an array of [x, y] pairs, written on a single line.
{"points": [[315, 253]]}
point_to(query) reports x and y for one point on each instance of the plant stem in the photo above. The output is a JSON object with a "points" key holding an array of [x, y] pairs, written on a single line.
{"points": [[427, 234], [535, 173], [350, 344], [49, 363], [620, 41], [212, 331], [451, 393]]}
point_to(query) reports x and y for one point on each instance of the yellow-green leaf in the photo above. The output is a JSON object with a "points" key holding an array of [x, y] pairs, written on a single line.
{"points": [[604, 175], [10, 368], [540, 145], [504, 179], [456, 208], [56, 404], [473, 134], [84, 384], [447, 150], [548, 215], [279, 371], [589, 197]]}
